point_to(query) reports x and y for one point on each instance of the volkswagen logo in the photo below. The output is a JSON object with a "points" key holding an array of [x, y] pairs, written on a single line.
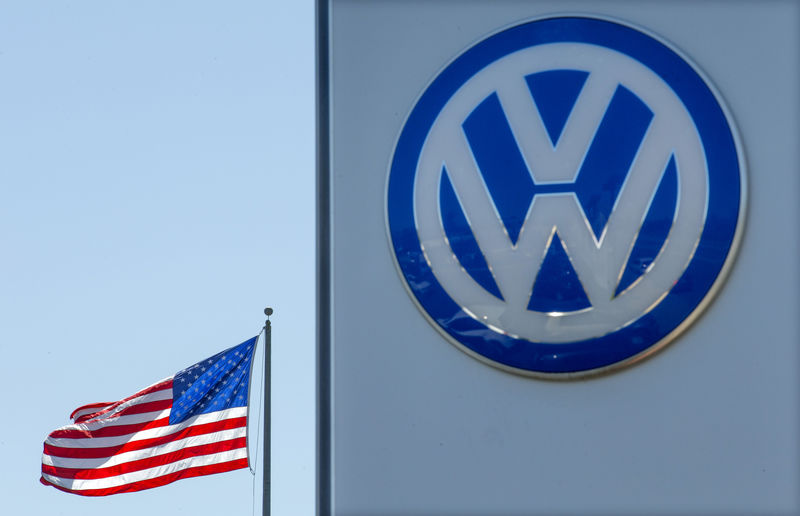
{"points": [[565, 197]]}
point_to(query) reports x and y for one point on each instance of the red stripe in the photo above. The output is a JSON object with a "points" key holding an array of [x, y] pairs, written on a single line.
{"points": [[149, 462], [141, 408], [138, 408], [107, 451], [158, 481], [111, 430], [93, 406], [160, 386], [83, 418]]}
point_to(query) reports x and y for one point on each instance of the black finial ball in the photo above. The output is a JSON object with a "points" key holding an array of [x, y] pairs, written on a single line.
{"points": [[268, 311]]}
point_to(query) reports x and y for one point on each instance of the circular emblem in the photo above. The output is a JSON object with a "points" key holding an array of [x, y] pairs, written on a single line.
{"points": [[565, 197]]}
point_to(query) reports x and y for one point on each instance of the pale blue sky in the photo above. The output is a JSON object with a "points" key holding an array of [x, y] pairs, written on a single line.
{"points": [[157, 166]]}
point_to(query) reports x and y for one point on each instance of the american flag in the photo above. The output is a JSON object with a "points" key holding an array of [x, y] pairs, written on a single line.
{"points": [[190, 424]]}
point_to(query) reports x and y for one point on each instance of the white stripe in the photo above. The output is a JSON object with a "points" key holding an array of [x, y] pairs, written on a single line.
{"points": [[78, 413], [145, 474], [100, 442], [110, 418], [96, 424], [123, 420], [121, 458], [165, 394]]}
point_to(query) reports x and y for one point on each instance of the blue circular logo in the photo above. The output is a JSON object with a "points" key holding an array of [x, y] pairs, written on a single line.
{"points": [[565, 197]]}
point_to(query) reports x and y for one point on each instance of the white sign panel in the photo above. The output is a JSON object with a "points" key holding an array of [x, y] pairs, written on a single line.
{"points": [[519, 203]]}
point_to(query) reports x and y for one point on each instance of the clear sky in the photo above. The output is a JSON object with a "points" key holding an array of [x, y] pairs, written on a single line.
{"points": [[157, 165]]}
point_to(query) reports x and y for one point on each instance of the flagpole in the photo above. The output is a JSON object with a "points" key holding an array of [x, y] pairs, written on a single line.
{"points": [[267, 410]]}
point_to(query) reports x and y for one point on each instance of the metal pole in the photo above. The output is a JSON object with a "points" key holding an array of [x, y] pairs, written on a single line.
{"points": [[267, 411]]}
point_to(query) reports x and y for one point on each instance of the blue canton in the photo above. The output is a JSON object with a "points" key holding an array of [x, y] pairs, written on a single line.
{"points": [[217, 383]]}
